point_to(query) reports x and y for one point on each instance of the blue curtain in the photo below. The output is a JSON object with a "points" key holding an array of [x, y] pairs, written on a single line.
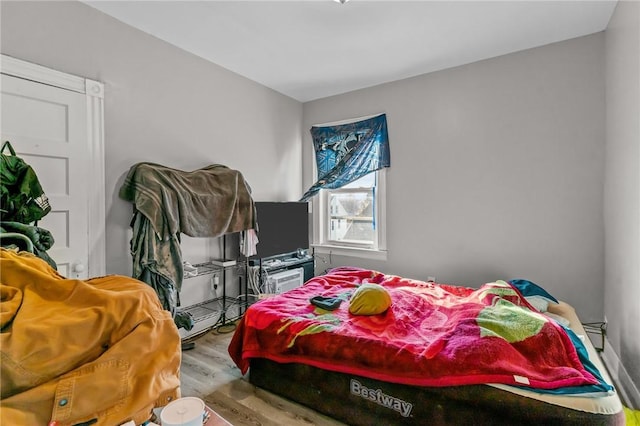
{"points": [[347, 152]]}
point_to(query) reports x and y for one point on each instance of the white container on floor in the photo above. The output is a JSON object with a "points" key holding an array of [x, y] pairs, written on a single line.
{"points": [[188, 411]]}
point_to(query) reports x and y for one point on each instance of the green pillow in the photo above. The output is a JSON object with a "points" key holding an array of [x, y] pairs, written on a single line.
{"points": [[369, 299]]}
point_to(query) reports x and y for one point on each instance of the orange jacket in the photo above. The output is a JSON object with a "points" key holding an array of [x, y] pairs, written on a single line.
{"points": [[74, 351]]}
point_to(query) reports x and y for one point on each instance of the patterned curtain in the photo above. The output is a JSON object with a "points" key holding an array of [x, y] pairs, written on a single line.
{"points": [[347, 152]]}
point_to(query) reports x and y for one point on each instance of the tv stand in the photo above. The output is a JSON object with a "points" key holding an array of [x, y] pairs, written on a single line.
{"points": [[286, 261]]}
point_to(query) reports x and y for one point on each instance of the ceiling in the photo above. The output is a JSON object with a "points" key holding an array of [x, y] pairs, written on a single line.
{"points": [[310, 49]]}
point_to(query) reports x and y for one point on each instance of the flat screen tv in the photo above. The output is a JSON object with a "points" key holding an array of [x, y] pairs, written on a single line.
{"points": [[283, 227]]}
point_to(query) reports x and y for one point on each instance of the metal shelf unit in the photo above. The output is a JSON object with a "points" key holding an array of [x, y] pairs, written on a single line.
{"points": [[219, 311], [217, 308]]}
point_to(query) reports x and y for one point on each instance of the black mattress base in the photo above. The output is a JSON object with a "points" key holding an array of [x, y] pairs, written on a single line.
{"points": [[357, 400]]}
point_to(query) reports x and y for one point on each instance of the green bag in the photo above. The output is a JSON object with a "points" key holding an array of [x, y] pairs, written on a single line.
{"points": [[21, 196]]}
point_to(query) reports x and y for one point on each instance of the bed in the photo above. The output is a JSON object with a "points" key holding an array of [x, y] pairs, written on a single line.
{"points": [[505, 353]]}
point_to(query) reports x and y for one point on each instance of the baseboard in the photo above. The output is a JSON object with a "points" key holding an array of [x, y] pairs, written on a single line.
{"points": [[622, 381]]}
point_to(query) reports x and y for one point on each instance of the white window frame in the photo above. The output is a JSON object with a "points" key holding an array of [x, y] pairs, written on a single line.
{"points": [[321, 243]]}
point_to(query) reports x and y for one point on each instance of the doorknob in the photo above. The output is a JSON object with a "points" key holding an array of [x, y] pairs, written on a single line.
{"points": [[78, 267]]}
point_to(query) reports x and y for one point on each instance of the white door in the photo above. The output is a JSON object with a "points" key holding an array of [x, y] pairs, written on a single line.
{"points": [[49, 128]]}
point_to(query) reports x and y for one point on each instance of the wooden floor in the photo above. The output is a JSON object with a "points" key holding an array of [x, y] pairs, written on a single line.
{"points": [[208, 372], [207, 366]]}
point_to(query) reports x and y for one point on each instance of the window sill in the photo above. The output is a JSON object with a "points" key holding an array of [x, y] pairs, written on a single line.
{"points": [[349, 251]]}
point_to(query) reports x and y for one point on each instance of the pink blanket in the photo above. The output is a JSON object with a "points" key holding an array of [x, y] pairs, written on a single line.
{"points": [[432, 335]]}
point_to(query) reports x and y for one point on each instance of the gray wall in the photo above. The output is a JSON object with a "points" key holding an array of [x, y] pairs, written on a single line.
{"points": [[161, 105], [622, 189], [497, 170]]}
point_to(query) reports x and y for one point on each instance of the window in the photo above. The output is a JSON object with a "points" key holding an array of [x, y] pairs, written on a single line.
{"points": [[350, 220], [351, 213], [351, 157]]}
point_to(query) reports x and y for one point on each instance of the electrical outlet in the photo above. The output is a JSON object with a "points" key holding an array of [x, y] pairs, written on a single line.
{"points": [[265, 295]]}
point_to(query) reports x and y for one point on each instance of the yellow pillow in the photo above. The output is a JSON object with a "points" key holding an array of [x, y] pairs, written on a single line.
{"points": [[633, 416], [369, 299]]}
